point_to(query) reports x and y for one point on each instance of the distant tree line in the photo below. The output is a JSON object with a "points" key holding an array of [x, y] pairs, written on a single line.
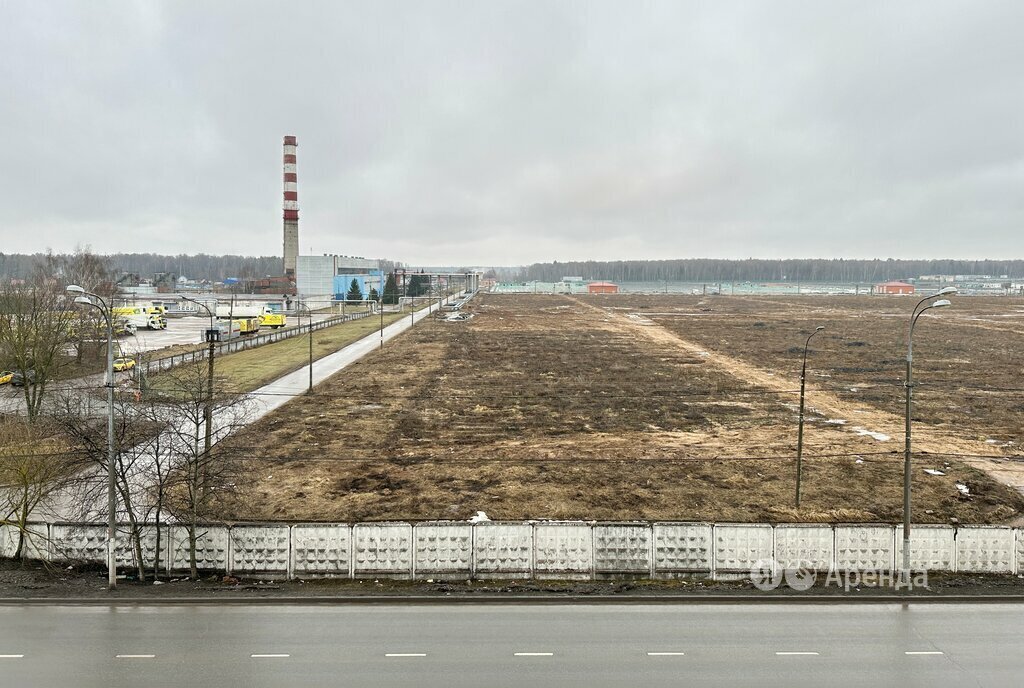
{"points": [[762, 270], [200, 266]]}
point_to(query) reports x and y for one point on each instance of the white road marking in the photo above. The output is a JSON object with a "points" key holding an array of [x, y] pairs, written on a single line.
{"points": [[268, 656], [786, 654], [406, 654], [11, 656], [534, 654], [134, 656], [665, 654], [923, 652]]}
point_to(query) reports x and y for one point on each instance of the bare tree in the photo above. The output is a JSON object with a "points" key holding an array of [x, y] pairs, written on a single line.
{"points": [[35, 327], [34, 464], [136, 437], [93, 273], [198, 472]]}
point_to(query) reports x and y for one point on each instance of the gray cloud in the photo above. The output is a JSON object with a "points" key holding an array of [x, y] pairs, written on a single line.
{"points": [[487, 133]]}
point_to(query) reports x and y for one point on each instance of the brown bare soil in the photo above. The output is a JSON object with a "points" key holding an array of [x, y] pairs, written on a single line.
{"points": [[558, 407]]}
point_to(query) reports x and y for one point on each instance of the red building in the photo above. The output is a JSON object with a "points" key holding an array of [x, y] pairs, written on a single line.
{"points": [[894, 288], [602, 288]]}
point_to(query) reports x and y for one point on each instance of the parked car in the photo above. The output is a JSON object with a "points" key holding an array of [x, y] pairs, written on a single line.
{"points": [[123, 364], [5, 376], [19, 380]]}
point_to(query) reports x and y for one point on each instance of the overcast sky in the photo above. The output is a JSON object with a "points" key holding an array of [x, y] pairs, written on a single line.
{"points": [[492, 133]]}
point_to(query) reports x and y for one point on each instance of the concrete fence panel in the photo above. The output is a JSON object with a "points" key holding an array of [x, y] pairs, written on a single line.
{"points": [[931, 548], [740, 546], [384, 549], [805, 546], [563, 550], [211, 548], [259, 549], [78, 542], [1019, 533], [321, 550], [36, 545], [623, 548], [503, 550], [444, 549], [984, 549], [864, 548], [148, 541], [87, 542], [683, 548]]}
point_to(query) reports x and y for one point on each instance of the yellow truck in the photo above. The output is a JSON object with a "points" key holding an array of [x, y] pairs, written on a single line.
{"points": [[272, 320], [141, 316], [248, 325]]}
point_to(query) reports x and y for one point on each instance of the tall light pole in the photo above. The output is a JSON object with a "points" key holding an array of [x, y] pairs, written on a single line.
{"points": [[909, 384], [800, 431], [104, 307], [212, 337], [309, 312]]}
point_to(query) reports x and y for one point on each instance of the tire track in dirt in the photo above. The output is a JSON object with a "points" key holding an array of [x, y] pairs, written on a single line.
{"points": [[932, 439]]}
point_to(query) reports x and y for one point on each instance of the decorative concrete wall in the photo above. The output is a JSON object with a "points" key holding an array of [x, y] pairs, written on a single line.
{"points": [[546, 549]]}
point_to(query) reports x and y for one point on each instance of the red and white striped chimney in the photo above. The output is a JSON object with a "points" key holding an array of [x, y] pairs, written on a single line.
{"points": [[291, 207]]}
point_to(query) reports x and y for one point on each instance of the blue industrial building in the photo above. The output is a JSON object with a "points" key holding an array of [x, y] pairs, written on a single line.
{"points": [[370, 279]]}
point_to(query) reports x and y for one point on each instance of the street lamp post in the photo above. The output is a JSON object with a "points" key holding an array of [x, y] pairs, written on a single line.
{"points": [[909, 385], [800, 431], [212, 337], [309, 312], [104, 307]]}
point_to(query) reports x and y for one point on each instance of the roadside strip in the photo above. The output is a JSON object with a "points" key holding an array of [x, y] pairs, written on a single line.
{"points": [[581, 600]]}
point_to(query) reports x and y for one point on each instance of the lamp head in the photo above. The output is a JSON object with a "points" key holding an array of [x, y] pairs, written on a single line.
{"points": [[84, 300], [941, 303], [819, 328], [947, 290], [74, 289]]}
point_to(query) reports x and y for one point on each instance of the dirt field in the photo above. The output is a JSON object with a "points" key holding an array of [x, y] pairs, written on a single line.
{"points": [[639, 407]]}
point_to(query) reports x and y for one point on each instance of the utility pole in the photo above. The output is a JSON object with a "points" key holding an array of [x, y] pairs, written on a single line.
{"points": [[800, 431], [105, 309]]}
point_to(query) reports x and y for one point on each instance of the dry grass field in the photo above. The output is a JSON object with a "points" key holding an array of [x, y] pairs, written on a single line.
{"points": [[649, 407]]}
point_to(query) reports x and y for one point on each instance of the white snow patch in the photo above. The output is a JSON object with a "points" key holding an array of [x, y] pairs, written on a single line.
{"points": [[880, 436], [835, 421], [932, 471], [964, 490], [479, 517]]}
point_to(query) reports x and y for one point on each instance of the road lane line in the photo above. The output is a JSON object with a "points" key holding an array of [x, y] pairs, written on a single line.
{"points": [[134, 656], [923, 652], [665, 654], [788, 654], [533, 654], [270, 656], [406, 654], [11, 656]]}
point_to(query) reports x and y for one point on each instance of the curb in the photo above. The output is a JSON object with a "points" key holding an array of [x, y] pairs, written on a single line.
{"points": [[539, 600]]}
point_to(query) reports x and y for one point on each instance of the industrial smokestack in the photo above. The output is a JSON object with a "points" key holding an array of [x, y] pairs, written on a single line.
{"points": [[291, 207]]}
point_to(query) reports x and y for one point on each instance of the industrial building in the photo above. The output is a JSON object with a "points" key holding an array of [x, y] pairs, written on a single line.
{"points": [[318, 279], [602, 288], [894, 288], [327, 277]]}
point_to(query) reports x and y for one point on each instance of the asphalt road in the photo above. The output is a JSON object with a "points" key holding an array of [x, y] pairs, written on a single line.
{"points": [[513, 645]]}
